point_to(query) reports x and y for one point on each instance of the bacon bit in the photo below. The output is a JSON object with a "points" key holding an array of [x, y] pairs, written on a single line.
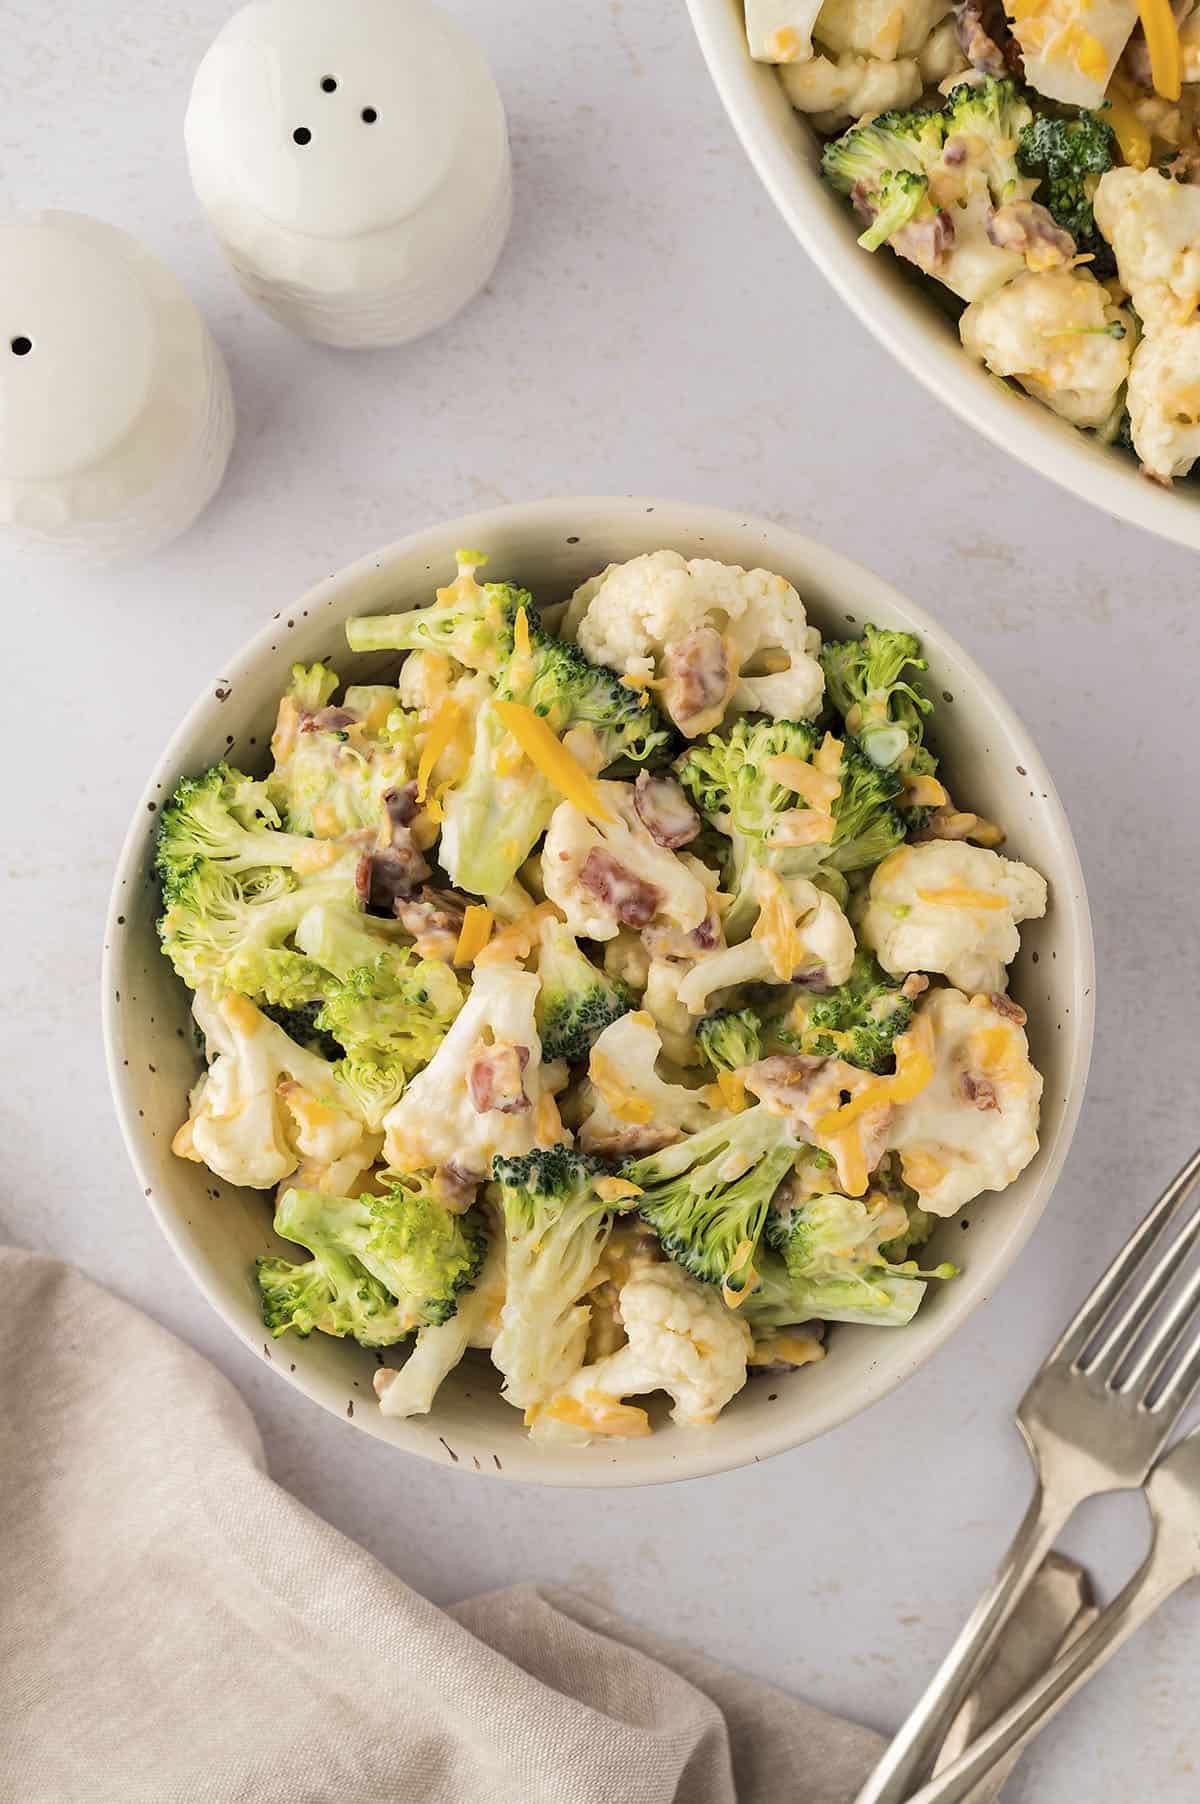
{"points": [[914, 985], [1003, 1005], [456, 1187], [700, 673], [665, 811], [616, 1190], [384, 879], [474, 935], [632, 900], [442, 730], [400, 805], [495, 1078], [328, 720], [979, 1091]]}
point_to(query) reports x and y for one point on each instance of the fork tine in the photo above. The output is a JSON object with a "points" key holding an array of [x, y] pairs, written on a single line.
{"points": [[1177, 1393], [1120, 1334], [1096, 1305], [1152, 1360]]}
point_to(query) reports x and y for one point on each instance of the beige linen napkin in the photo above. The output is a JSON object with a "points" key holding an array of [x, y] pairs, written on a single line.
{"points": [[176, 1629]]}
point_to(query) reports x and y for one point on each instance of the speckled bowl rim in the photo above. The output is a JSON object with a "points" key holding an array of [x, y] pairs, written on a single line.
{"points": [[723, 1447], [898, 310]]}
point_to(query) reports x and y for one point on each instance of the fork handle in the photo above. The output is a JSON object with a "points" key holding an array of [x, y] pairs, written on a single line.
{"points": [[1150, 1586], [912, 1754]]}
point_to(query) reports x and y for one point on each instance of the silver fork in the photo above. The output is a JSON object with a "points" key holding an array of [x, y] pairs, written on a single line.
{"points": [[1173, 1492], [1095, 1419]]}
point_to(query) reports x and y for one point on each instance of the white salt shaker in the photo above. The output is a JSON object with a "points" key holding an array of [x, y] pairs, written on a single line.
{"points": [[116, 415], [352, 157]]}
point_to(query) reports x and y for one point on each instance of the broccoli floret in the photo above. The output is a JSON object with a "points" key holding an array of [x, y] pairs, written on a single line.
{"points": [[495, 817], [884, 167], [390, 1017], [300, 1024], [556, 1226], [858, 1021], [730, 1038], [225, 818], [706, 1197], [919, 1223], [868, 682], [381, 1266], [576, 1001], [867, 824], [312, 685], [470, 621], [824, 1259], [560, 683], [991, 114], [1068, 157], [728, 780]]}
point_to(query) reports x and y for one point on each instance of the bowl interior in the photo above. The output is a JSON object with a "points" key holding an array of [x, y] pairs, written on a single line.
{"points": [[218, 1230], [902, 309]]}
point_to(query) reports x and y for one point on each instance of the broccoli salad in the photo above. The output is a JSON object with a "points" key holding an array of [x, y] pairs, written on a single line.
{"points": [[1038, 161], [618, 990]]}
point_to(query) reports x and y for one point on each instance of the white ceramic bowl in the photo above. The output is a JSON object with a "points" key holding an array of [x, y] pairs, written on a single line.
{"points": [[895, 303], [551, 546]]}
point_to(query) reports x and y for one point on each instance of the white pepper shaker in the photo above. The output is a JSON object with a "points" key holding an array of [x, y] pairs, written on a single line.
{"points": [[352, 157], [116, 415]]}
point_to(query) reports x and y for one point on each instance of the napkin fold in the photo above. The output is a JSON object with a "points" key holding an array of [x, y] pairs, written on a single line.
{"points": [[177, 1629]]}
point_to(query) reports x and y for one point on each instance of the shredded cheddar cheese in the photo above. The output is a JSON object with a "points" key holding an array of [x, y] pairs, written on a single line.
{"points": [[732, 1088], [741, 1269], [1132, 135], [961, 895], [547, 754], [287, 726], [516, 941], [818, 788], [521, 643], [599, 1414], [615, 1093], [442, 730], [775, 930], [616, 1190], [914, 1072], [924, 792], [1166, 51], [326, 824], [240, 1013], [474, 935]]}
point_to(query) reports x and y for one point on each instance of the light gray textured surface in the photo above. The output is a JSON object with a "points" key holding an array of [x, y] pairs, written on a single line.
{"points": [[651, 328]]}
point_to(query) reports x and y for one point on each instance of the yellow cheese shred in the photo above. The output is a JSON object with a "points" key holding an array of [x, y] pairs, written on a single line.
{"points": [[1166, 51], [442, 730], [616, 1190], [1132, 135], [775, 930], [615, 1093], [732, 1086], [475, 933], [914, 1071], [521, 643], [961, 895], [547, 754], [598, 1413]]}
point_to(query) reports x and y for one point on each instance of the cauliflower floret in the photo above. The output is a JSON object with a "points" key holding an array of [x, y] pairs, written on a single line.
{"points": [[410, 1391], [885, 29], [1164, 400], [941, 56], [603, 873], [675, 1023], [950, 907], [835, 92], [975, 1125], [800, 929], [628, 1108], [1060, 335], [483, 1092], [780, 31], [627, 961], [1071, 47], [681, 1339], [661, 615], [1153, 225], [265, 1103]]}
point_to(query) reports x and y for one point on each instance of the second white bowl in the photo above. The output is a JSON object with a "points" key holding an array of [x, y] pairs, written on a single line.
{"points": [[899, 306]]}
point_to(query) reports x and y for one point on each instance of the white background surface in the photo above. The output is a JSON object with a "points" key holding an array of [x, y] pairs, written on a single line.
{"points": [[651, 328]]}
